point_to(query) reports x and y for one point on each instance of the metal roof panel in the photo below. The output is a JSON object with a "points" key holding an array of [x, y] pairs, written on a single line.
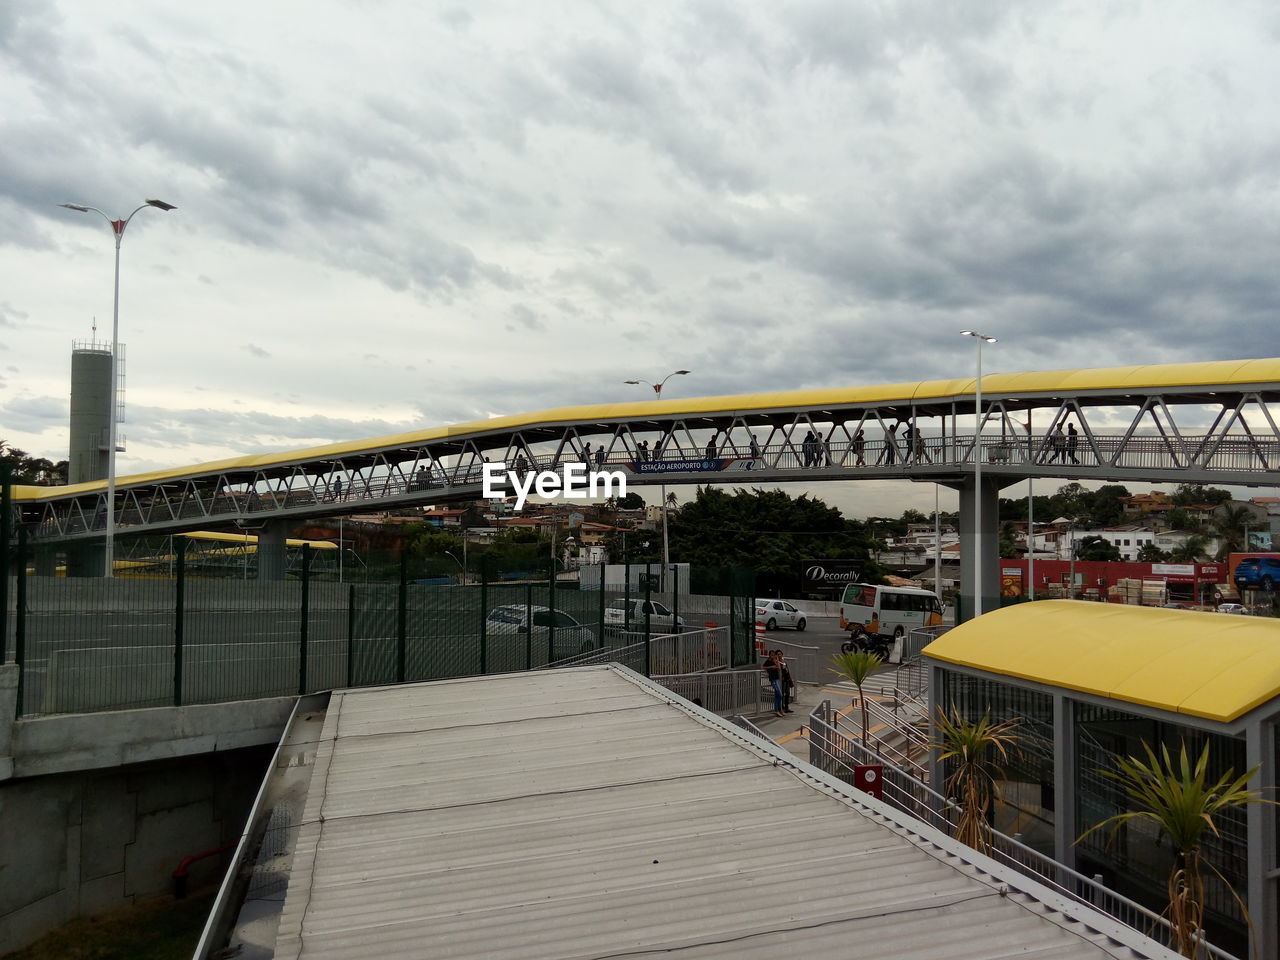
{"points": [[587, 813]]}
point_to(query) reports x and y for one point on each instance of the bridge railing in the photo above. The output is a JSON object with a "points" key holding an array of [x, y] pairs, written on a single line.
{"points": [[408, 474]]}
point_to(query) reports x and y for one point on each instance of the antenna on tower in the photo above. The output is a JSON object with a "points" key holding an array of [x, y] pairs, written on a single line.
{"points": [[95, 328]]}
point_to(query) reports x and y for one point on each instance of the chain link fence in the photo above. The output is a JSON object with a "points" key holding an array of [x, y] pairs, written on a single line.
{"points": [[93, 644]]}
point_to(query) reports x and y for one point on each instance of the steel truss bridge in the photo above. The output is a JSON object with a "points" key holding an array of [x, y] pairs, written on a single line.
{"points": [[1212, 422]]}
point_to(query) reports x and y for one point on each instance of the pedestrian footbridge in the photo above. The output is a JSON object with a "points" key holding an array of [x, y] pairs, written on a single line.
{"points": [[1209, 422]]}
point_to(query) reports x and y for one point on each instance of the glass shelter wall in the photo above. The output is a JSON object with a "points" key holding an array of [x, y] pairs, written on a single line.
{"points": [[1024, 807], [1136, 859]]}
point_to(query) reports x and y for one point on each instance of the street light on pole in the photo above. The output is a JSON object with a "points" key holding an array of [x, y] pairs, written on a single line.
{"points": [[981, 338], [666, 552], [117, 228]]}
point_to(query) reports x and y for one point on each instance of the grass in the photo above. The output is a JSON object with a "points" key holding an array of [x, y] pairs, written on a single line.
{"points": [[160, 929]]}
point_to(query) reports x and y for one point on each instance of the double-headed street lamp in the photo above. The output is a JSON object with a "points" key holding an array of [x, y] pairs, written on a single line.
{"points": [[117, 227], [666, 552], [977, 473]]}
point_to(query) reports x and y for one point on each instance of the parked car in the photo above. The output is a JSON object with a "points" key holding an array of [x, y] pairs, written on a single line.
{"points": [[1261, 572], [778, 613], [553, 630], [1232, 608], [661, 618]]}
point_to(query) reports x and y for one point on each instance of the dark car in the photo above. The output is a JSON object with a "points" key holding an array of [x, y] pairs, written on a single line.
{"points": [[1258, 572]]}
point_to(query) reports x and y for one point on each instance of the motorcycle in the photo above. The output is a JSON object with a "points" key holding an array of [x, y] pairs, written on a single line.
{"points": [[868, 643]]}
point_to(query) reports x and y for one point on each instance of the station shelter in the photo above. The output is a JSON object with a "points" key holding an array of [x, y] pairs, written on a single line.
{"points": [[1090, 683]]}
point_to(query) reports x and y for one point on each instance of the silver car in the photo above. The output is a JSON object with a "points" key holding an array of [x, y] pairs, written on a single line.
{"points": [[554, 631], [619, 614]]}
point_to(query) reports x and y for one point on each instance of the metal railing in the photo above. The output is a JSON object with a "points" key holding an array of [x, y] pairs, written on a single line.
{"points": [[723, 692], [836, 753], [409, 475], [693, 651], [802, 660], [914, 741]]}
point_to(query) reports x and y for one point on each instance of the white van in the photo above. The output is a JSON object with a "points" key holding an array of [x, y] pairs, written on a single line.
{"points": [[873, 610]]}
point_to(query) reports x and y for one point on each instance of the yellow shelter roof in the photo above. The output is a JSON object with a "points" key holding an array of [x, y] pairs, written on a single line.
{"points": [[1210, 665]]}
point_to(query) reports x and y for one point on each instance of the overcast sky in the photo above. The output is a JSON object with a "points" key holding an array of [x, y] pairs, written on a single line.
{"points": [[401, 214]]}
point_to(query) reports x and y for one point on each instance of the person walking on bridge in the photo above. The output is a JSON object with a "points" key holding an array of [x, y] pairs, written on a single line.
{"points": [[890, 452], [857, 446], [1058, 443], [1073, 442]]}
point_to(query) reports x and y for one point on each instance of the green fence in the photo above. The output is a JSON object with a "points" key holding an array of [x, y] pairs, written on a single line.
{"points": [[85, 644]]}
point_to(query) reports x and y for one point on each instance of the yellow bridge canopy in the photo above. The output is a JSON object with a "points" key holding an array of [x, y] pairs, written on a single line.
{"points": [[1209, 665]]}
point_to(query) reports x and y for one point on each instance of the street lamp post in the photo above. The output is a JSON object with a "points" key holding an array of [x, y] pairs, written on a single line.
{"points": [[117, 228], [981, 338], [666, 552]]}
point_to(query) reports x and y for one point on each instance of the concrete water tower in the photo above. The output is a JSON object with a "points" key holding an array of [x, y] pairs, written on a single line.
{"points": [[91, 399]]}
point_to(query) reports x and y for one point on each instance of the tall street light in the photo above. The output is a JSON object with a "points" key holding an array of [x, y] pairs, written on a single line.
{"points": [[666, 552], [981, 338], [117, 228]]}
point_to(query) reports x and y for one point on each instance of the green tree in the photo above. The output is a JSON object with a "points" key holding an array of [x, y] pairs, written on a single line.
{"points": [[428, 540], [856, 667], [1150, 553], [632, 501], [975, 749], [1106, 505], [1008, 540], [1230, 525], [1096, 548], [1179, 799], [1193, 550], [767, 530], [1179, 519], [24, 468], [1197, 494]]}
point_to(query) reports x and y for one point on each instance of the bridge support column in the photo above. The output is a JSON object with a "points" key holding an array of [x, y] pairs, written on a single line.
{"points": [[979, 548], [271, 547], [83, 560]]}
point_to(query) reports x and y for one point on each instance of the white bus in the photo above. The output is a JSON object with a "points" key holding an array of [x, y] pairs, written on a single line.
{"points": [[868, 611]]}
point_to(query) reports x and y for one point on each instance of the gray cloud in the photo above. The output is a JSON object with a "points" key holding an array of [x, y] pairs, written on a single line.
{"points": [[775, 196]]}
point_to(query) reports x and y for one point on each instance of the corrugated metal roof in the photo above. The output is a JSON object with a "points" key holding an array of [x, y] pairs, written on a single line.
{"points": [[1145, 655], [587, 813]]}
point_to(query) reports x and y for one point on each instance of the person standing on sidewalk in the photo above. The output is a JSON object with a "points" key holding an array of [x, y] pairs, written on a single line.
{"points": [[773, 670], [788, 685]]}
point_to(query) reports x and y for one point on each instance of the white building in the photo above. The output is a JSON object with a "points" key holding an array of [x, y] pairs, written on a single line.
{"points": [[1128, 540]]}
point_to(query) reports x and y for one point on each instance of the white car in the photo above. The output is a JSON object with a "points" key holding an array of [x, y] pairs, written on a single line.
{"points": [[571, 637], [661, 619], [778, 613], [1232, 608]]}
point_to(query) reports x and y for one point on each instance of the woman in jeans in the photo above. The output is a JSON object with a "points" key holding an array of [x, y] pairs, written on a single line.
{"points": [[773, 670]]}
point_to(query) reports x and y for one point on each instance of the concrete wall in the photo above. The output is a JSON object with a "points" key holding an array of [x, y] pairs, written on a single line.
{"points": [[77, 844], [96, 810]]}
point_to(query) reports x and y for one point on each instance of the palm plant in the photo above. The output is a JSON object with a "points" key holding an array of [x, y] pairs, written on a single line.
{"points": [[1192, 551], [1179, 799], [976, 748], [1232, 525], [856, 667]]}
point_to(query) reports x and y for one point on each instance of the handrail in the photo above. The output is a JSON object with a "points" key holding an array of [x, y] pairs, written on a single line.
{"points": [[908, 793], [171, 501]]}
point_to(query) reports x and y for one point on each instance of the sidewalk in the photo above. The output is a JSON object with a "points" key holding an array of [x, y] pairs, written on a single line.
{"points": [[791, 731]]}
